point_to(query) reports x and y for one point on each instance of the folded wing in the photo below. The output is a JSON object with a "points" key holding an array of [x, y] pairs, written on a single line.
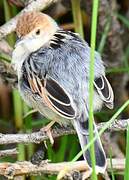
{"points": [[53, 94], [105, 91]]}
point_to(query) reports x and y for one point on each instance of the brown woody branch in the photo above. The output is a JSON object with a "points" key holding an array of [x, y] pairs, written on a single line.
{"points": [[8, 152], [37, 137], [10, 170]]}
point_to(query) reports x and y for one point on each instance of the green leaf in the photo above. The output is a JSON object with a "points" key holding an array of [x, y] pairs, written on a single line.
{"points": [[126, 174]]}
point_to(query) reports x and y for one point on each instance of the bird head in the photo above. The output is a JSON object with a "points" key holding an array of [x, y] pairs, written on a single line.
{"points": [[34, 29]]}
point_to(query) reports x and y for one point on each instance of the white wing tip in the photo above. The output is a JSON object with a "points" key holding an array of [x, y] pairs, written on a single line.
{"points": [[99, 170]]}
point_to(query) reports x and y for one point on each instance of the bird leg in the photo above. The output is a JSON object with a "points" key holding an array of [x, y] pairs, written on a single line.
{"points": [[47, 129]]}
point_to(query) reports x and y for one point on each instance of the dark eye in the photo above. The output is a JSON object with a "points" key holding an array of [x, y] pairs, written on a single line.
{"points": [[37, 32]]}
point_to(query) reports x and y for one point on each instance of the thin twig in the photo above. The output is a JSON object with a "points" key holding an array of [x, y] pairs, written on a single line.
{"points": [[37, 137], [117, 125], [8, 152], [11, 170]]}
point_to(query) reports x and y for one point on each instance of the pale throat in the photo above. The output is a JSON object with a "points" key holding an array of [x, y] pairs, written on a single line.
{"points": [[18, 57]]}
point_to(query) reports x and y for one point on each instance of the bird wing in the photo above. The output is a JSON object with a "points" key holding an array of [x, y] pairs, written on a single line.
{"points": [[105, 91], [53, 94]]}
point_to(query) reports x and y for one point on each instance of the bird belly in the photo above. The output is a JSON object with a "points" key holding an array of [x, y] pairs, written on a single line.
{"points": [[97, 103]]}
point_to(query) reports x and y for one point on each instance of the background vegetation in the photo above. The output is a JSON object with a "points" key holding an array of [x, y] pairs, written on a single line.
{"points": [[113, 44]]}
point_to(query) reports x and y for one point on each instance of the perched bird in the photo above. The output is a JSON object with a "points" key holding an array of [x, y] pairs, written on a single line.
{"points": [[53, 74]]}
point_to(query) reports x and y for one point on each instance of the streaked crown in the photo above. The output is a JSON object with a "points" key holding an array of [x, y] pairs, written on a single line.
{"points": [[31, 20]]}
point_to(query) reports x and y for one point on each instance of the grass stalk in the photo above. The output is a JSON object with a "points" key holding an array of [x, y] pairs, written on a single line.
{"points": [[7, 14], [126, 173], [17, 110], [77, 17], [123, 19], [60, 155], [75, 146], [112, 173], [104, 37], [91, 85], [5, 57], [28, 128]]}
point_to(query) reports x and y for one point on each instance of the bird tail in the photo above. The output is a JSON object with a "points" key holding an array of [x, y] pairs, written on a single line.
{"points": [[81, 127]]}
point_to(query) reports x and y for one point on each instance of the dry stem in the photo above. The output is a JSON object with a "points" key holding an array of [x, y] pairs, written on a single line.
{"points": [[37, 137], [27, 168], [8, 152]]}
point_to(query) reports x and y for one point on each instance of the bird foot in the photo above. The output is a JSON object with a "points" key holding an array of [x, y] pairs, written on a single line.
{"points": [[87, 174], [47, 130], [68, 171], [64, 172]]}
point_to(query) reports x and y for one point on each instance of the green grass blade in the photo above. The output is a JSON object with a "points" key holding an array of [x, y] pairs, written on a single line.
{"points": [[77, 17], [5, 57], [75, 146], [60, 155], [17, 110], [126, 173], [104, 37], [8, 15], [123, 19], [112, 173], [28, 128], [117, 70], [126, 57], [91, 85]]}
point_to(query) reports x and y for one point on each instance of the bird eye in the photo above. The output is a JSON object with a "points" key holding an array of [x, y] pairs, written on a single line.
{"points": [[37, 32]]}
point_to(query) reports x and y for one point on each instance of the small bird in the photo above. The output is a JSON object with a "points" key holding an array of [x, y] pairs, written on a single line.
{"points": [[53, 77]]}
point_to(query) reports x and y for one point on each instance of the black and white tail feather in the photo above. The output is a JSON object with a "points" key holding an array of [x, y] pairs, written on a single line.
{"points": [[82, 127]]}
